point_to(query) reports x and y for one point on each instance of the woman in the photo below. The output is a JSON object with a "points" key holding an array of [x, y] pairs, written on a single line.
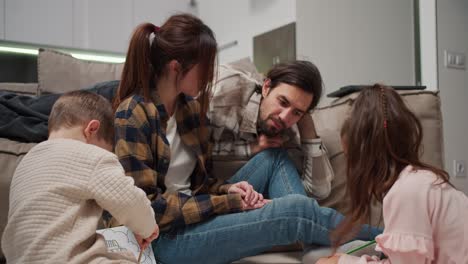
{"points": [[162, 142]]}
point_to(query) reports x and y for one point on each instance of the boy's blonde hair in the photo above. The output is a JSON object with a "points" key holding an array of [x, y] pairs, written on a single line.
{"points": [[77, 108]]}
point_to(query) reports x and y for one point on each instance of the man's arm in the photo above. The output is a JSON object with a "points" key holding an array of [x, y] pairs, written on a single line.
{"points": [[317, 172], [236, 148], [244, 148]]}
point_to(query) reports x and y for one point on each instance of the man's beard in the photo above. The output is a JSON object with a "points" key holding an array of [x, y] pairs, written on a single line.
{"points": [[270, 131]]}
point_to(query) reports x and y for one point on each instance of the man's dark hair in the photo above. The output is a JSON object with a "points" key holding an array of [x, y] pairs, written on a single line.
{"points": [[303, 74], [78, 108]]}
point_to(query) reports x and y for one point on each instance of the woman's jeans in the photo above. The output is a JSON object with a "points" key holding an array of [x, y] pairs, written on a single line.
{"points": [[291, 216]]}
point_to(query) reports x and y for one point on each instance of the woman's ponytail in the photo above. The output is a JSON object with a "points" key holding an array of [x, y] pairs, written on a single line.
{"points": [[137, 71]]}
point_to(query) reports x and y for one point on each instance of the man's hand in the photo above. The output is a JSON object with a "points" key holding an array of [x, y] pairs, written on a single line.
{"points": [[145, 242], [306, 127], [250, 198], [265, 142], [329, 260]]}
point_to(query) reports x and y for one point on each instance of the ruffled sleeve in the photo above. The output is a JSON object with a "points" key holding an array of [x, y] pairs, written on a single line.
{"points": [[406, 211], [395, 243]]}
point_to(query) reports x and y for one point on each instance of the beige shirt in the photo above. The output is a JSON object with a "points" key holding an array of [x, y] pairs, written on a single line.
{"points": [[57, 196]]}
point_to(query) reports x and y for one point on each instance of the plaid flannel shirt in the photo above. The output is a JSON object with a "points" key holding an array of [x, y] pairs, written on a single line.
{"points": [[233, 114], [144, 152]]}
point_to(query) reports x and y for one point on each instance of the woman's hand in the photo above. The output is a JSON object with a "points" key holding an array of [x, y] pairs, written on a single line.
{"points": [[250, 198]]}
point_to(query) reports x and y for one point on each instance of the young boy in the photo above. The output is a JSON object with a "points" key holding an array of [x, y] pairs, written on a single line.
{"points": [[60, 188]]}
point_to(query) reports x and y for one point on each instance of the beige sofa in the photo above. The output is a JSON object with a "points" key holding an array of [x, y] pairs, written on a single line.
{"points": [[58, 71]]}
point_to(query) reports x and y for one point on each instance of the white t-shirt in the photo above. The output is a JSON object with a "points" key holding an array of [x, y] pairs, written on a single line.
{"points": [[182, 161]]}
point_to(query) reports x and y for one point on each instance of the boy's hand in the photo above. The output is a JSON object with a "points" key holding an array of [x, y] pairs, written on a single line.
{"points": [[145, 242]]}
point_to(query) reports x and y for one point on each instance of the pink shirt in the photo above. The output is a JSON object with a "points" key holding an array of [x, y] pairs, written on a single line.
{"points": [[424, 223]]}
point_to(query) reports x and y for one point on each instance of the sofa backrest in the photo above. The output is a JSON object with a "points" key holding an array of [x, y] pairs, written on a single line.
{"points": [[59, 72]]}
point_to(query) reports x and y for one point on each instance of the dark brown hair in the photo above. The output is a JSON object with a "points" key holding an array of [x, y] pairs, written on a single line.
{"points": [[383, 137], [183, 38], [303, 74], [343, 136], [77, 108]]}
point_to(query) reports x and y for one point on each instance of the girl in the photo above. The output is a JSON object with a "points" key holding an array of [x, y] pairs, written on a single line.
{"points": [[162, 142], [424, 215]]}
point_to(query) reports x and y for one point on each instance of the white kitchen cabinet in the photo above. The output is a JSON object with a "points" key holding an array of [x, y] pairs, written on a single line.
{"points": [[44, 22], [102, 25], [2, 19], [157, 11]]}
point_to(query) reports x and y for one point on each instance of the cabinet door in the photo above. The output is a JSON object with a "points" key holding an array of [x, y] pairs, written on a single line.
{"points": [[102, 25], [44, 22], [158, 11]]}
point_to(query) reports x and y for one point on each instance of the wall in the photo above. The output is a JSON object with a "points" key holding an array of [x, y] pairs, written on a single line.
{"points": [[428, 43], [2, 19], [452, 22], [242, 20], [357, 42]]}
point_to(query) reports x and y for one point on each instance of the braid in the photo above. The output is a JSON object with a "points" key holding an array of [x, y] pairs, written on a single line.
{"points": [[384, 105]]}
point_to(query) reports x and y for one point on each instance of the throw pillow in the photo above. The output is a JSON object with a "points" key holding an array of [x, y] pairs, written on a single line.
{"points": [[59, 72]]}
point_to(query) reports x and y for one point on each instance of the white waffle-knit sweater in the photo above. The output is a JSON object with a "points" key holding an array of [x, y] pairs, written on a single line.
{"points": [[56, 198]]}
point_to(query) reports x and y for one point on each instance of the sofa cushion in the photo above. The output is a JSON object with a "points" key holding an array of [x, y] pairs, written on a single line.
{"points": [[20, 88], [11, 153], [59, 72], [328, 121]]}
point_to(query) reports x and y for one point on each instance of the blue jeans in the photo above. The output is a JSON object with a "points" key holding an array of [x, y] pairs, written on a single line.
{"points": [[289, 217]]}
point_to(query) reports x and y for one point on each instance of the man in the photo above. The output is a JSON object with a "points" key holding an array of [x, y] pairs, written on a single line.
{"points": [[251, 118]]}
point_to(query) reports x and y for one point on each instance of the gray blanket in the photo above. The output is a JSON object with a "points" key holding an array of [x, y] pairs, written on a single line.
{"points": [[24, 118]]}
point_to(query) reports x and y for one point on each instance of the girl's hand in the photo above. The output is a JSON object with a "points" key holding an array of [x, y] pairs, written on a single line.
{"points": [[329, 260]]}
